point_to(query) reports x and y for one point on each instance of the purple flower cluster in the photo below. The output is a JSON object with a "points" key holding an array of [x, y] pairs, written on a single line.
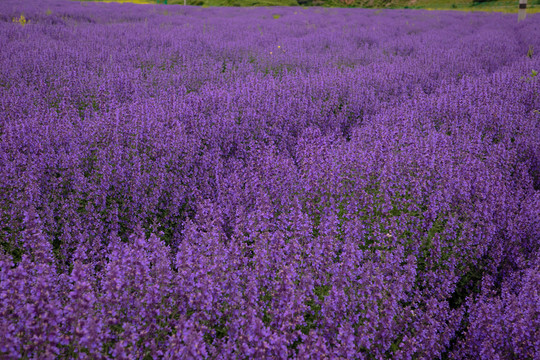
{"points": [[181, 182]]}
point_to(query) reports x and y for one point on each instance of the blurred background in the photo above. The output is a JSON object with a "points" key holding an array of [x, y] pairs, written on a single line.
{"points": [[464, 5]]}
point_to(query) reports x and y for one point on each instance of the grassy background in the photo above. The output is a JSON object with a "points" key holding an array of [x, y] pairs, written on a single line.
{"points": [[471, 5], [464, 5]]}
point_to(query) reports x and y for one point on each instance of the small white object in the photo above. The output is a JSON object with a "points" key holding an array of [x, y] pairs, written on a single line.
{"points": [[522, 12]]}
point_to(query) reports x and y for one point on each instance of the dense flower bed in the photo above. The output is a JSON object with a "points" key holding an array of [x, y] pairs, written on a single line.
{"points": [[179, 182]]}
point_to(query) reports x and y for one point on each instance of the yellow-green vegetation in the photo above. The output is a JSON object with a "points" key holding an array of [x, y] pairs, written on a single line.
{"points": [[533, 6], [462, 5], [21, 20]]}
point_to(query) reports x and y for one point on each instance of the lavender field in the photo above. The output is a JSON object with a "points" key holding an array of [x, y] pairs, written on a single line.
{"points": [[268, 183]]}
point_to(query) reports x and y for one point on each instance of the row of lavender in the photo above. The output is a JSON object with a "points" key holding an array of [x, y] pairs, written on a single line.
{"points": [[228, 183]]}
